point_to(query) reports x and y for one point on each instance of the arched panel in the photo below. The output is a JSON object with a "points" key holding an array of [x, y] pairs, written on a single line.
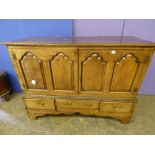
{"points": [[124, 73], [62, 68], [92, 71], [33, 71]]}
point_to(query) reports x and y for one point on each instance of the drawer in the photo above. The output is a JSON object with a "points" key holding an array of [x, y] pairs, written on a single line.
{"points": [[116, 106], [39, 104], [77, 104]]}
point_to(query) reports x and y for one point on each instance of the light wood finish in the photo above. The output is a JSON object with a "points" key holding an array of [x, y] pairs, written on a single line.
{"points": [[63, 72], [83, 41], [39, 104], [116, 106], [87, 75], [57, 69], [77, 104], [91, 65], [32, 69]]}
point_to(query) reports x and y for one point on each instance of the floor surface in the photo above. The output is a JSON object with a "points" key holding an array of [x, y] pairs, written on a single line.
{"points": [[14, 121]]}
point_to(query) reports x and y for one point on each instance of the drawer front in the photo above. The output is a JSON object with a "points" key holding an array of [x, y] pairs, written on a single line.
{"points": [[116, 107], [39, 104], [77, 104]]}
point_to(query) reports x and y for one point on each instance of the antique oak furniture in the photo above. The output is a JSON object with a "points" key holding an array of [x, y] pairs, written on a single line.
{"points": [[87, 75], [5, 86]]}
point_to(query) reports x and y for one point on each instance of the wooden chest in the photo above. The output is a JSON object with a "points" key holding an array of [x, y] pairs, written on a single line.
{"points": [[87, 75]]}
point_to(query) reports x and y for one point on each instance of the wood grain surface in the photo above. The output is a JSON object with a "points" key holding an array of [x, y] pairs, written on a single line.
{"points": [[97, 76]]}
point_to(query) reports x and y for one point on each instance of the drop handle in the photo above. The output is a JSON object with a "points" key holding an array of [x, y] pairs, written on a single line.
{"points": [[116, 107], [68, 103], [88, 105], [42, 104]]}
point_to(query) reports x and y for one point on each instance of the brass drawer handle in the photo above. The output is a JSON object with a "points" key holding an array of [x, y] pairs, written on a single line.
{"points": [[41, 104], [116, 107], [88, 105], [68, 103]]}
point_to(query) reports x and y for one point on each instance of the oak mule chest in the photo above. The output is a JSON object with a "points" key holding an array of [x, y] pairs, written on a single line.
{"points": [[87, 75]]}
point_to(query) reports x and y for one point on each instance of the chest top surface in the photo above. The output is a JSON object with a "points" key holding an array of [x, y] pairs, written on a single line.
{"points": [[83, 41]]}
